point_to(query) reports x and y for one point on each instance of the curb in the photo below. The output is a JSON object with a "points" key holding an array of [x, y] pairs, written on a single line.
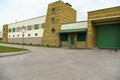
{"points": [[14, 53]]}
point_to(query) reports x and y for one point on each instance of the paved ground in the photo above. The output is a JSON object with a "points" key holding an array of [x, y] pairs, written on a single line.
{"points": [[61, 64]]}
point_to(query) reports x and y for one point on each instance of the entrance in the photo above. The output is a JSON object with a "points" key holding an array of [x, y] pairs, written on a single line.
{"points": [[72, 37], [108, 36]]}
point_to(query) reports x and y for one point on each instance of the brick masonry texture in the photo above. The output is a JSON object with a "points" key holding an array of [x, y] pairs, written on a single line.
{"points": [[100, 17], [63, 14]]}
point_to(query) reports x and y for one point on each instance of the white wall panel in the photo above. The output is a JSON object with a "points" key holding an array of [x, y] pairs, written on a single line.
{"points": [[32, 21], [31, 32], [38, 20], [76, 25]]}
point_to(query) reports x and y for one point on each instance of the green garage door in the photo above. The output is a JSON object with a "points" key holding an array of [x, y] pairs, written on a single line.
{"points": [[108, 36]]}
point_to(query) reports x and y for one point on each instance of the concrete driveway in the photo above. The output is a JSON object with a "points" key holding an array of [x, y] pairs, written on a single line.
{"points": [[61, 64]]}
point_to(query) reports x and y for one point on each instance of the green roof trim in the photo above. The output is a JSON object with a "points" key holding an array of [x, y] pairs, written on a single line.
{"points": [[74, 30]]}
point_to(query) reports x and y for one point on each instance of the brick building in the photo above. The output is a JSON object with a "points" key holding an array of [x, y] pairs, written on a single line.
{"points": [[60, 28]]}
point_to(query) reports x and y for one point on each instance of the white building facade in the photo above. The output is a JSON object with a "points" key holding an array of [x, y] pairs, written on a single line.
{"points": [[34, 29]]}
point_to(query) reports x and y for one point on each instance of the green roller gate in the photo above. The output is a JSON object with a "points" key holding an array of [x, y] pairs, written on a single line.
{"points": [[108, 36]]}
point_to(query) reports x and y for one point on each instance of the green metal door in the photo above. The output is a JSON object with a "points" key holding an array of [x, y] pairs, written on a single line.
{"points": [[108, 36]]}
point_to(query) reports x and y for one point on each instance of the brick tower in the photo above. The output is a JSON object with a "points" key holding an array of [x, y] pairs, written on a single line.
{"points": [[5, 34], [57, 14]]}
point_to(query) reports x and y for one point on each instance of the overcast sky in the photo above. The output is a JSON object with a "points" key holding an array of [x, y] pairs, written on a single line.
{"points": [[17, 10]]}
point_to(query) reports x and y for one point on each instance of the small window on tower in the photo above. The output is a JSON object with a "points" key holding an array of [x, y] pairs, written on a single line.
{"points": [[53, 20], [53, 10]]}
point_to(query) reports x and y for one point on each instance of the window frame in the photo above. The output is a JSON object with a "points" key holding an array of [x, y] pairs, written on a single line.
{"points": [[53, 20], [53, 10], [18, 29], [36, 26], [18, 35], [64, 36], [29, 27], [10, 30], [43, 25], [36, 34], [29, 35], [13, 29], [81, 36]]}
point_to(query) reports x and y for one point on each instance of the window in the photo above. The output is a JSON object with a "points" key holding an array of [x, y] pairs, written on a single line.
{"points": [[53, 20], [18, 29], [17, 35], [53, 10], [43, 25], [9, 30], [64, 37], [36, 34], [29, 35], [9, 35], [13, 30], [23, 35], [81, 36], [36, 26], [13, 35], [53, 30], [29, 27]]}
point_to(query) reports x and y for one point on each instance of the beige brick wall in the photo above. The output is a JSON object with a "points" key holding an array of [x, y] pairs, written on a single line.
{"points": [[64, 14], [5, 33], [100, 17]]}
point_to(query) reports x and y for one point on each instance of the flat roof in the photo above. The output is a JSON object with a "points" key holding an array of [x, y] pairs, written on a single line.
{"points": [[28, 19], [104, 9]]}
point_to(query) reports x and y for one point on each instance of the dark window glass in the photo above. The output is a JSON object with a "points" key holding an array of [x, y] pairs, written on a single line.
{"points": [[36, 34], [17, 35], [13, 30], [18, 29], [64, 37], [23, 35], [53, 30], [43, 25], [81, 36], [9, 30], [36, 26], [53, 20], [53, 10], [29, 27], [29, 35]]}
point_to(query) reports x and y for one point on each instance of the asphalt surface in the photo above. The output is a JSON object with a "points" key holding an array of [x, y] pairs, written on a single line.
{"points": [[61, 64]]}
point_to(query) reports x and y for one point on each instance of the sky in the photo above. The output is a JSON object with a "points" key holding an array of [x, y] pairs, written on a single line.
{"points": [[18, 10]]}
